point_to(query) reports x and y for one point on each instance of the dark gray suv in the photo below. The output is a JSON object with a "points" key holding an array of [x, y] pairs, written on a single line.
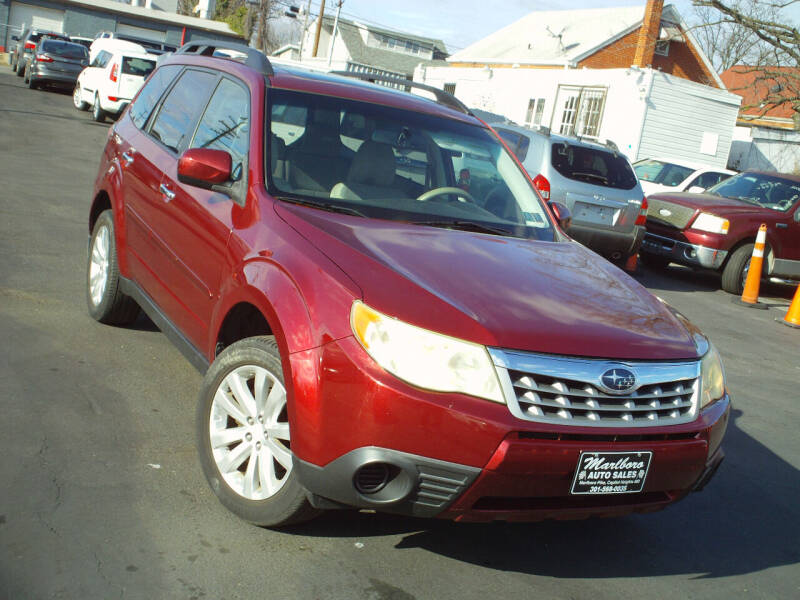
{"points": [[23, 46], [56, 62]]}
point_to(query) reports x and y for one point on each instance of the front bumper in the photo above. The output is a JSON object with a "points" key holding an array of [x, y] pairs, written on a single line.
{"points": [[395, 448], [684, 253], [609, 243]]}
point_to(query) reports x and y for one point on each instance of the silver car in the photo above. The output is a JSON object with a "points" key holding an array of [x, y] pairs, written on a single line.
{"points": [[595, 181]]}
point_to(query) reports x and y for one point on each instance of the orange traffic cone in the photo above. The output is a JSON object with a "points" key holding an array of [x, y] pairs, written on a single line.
{"points": [[753, 282], [792, 318], [630, 264]]}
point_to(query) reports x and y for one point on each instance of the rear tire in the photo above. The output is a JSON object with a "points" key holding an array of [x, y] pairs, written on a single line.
{"points": [[106, 301], [30, 80], [98, 114], [77, 102], [20, 68], [244, 439], [735, 271]]}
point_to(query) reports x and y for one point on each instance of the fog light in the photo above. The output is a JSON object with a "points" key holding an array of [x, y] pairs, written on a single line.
{"points": [[372, 478]]}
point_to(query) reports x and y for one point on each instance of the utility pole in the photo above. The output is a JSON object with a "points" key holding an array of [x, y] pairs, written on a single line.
{"points": [[305, 26], [319, 28], [335, 27]]}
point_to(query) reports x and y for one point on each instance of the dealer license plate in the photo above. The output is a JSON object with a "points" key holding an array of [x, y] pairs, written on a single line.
{"points": [[611, 472], [592, 213]]}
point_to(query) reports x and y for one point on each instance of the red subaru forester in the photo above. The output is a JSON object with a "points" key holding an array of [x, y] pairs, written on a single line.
{"points": [[377, 330]]}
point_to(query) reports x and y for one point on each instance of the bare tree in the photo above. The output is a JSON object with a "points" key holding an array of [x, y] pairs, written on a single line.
{"points": [[758, 36]]}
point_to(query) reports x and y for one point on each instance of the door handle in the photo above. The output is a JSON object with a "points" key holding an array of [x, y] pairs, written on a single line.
{"points": [[128, 158], [781, 226], [168, 193]]}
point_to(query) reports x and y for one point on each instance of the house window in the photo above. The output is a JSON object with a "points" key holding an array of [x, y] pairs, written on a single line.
{"points": [[450, 88], [662, 47], [580, 110], [380, 40], [535, 112]]}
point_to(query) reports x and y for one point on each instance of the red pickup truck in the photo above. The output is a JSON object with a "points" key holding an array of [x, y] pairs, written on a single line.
{"points": [[717, 229]]}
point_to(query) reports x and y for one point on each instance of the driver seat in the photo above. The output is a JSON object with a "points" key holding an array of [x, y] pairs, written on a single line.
{"points": [[372, 175]]}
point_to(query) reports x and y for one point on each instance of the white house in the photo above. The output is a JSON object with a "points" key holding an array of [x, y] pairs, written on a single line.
{"points": [[634, 75], [353, 46]]}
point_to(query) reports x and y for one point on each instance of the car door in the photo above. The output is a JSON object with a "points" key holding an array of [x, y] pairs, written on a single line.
{"points": [[141, 178], [199, 221], [91, 76], [173, 283]]}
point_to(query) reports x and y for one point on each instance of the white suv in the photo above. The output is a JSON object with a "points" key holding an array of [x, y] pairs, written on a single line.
{"points": [[111, 80]]}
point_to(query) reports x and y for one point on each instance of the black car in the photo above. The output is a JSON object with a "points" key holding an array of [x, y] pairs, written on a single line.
{"points": [[24, 45], [56, 62]]}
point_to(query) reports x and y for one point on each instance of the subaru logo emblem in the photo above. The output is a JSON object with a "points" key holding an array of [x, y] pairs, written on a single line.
{"points": [[618, 380]]}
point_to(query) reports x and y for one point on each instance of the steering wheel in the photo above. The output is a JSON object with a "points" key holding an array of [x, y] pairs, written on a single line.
{"points": [[443, 191]]}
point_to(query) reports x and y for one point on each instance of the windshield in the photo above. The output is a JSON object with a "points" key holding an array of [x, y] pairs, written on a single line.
{"points": [[656, 171], [65, 49], [388, 163], [768, 191]]}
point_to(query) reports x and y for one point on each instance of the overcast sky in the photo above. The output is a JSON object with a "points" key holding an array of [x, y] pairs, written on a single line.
{"points": [[461, 22]]}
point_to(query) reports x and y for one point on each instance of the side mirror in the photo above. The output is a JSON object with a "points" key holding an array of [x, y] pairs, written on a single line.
{"points": [[797, 216], [14, 38], [562, 214], [203, 167], [696, 189]]}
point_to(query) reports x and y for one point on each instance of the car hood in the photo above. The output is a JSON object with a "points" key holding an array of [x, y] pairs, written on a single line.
{"points": [[709, 203], [551, 297]]}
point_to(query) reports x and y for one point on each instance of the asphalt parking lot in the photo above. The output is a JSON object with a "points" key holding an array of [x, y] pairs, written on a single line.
{"points": [[102, 495]]}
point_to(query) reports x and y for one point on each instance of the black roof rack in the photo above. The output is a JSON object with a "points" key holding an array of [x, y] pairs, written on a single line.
{"points": [[442, 97], [255, 59]]}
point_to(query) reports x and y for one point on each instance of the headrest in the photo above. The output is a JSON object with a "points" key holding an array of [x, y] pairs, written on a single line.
{"points": [[373, 164]]}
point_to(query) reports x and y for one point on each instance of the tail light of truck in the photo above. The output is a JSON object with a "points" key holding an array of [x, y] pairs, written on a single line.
{"points": [[541, 183], [29, 45], [642, 218], [114, 71], [44, 58]]}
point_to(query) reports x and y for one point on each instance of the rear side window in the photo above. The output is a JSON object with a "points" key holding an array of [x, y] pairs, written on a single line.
{"points": [[141, 67], [175, 122], [592, 165], [151, 92], [226, 124], [663, 173]]}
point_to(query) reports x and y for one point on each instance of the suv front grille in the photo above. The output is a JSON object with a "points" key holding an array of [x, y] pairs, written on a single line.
{"points": [[569, 391], [667, 213]]}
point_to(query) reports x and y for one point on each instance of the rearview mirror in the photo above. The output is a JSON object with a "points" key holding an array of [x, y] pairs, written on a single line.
{"points": [[204, 167], [562, 214], [696, 189]]}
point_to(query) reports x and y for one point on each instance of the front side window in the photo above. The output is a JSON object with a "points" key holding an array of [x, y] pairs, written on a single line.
{"points": [[226, 125], [592, 165], [174, 124], [151, 92], [663, 173], [101, 60], [767, 191], [388, 163]]}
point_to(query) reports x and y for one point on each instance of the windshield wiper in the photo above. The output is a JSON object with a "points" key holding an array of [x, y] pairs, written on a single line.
{"points": [[337, 208], [462, 225], [590, 176]]}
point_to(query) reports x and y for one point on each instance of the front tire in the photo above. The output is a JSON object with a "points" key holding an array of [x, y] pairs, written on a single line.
{"points": [[735, 272], [106, 301], [98, 114], [244, 438], [77, 101]]}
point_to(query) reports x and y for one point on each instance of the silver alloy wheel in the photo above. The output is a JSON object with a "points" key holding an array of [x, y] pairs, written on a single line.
{"points": [[99, 265], [249, 432], [76, 97]]}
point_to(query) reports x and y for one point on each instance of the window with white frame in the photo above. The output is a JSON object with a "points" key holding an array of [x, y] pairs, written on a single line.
{"points": [[388, 42], [450, 88], [535, 112], [579, 110], [662, 48]]}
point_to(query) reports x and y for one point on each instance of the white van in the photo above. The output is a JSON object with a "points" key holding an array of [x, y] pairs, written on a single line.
{"points": [[111, 81]]}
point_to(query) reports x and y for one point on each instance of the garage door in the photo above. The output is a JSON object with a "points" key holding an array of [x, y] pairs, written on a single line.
{"points": [[142, 32], [35, 16]]}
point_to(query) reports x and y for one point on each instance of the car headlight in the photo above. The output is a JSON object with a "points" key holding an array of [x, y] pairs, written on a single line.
{"points": [[712, 376], [711, 223], [424, 358]]}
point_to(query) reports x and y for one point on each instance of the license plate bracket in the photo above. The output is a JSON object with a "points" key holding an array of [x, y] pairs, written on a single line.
{"points": [[600, 473]]}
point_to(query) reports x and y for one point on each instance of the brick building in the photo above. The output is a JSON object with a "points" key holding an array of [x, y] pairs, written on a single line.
{"points": [[634, 75]]}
